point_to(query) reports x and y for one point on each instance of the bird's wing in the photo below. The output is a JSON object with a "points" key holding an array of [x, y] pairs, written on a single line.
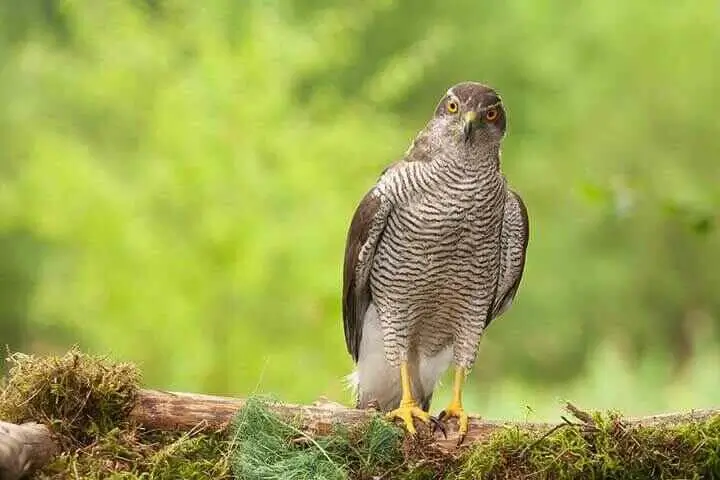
{"points": [[513, 245], [366, 229]]}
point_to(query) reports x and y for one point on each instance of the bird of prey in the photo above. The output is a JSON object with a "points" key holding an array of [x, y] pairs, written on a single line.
{"points": [[435, 251]]}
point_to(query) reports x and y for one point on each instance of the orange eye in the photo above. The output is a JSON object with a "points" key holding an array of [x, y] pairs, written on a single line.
{"points": [[491, 114], [452, 106]]}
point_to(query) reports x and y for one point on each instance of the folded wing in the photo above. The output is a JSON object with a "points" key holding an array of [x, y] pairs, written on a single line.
{"points": [[513, 245]]}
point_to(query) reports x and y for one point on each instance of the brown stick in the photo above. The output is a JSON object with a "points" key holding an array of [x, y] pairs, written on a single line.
{"points": [[159, 410], [26, 447], [23, 449], [184, 411]]}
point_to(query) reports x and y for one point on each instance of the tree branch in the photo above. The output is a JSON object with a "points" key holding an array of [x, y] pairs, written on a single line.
{"points": [[183, 411], [26, 447], [23, 449]]}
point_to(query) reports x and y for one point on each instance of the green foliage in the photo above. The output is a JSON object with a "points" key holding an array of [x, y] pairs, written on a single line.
{"points": [[20, 255], [131, 455], [603, 446], [609, 448], [80, 396], [269, 448], [85, 400], [177, 178]]}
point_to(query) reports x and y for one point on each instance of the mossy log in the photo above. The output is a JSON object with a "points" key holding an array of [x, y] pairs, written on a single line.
{"points": [[162, 410], [105, 425], [25, 447], [185, 411]]}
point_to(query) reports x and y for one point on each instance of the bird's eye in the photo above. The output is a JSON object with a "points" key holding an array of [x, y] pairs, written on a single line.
{"points": [[491, 114], [452, 106]]}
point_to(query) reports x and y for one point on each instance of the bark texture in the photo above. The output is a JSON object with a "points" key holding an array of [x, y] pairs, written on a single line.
{"points": [[25, 448]]}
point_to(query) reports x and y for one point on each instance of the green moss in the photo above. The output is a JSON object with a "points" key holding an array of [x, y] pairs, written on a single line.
{"points": [[85, 400], [598, 446], [136, 455], [606, 447], [78, 395], [269, 448]]}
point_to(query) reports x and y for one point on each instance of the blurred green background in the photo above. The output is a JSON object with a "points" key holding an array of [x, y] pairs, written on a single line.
{"points": [[177, 179]]}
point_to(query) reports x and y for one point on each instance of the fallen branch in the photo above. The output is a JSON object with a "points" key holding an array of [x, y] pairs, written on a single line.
{"points": [[26, 447], [183, 411], [75, 393], [23, 449], [160, 410]]}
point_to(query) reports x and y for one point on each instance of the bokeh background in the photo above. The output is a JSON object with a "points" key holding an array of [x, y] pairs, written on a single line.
{"points": [[177, 179]]}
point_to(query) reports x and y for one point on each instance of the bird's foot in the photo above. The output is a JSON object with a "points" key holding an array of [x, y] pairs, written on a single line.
{"points": [[456, 410], [406, 412]]}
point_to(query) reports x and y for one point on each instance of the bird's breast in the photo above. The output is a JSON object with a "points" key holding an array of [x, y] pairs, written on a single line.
{"points": [[437, 264], [442, 241], [451, 216]]}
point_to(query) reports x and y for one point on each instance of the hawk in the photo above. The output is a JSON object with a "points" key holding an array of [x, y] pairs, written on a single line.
{"points": [[435, 251]]}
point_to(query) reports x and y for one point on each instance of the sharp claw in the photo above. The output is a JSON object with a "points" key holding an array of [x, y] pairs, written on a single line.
{"points": [[462, 422], [407, 413], [438, 425]]}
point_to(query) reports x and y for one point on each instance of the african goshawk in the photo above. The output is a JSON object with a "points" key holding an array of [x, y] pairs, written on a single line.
{"points": [[435, 251]]}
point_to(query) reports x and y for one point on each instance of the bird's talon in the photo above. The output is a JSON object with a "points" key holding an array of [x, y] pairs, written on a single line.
{"points": [[458, 412], [406, 412], [438, 425]]}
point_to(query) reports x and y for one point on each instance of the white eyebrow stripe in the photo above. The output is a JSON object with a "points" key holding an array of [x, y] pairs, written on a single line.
{"points": [[496, 104], [452, 95]]}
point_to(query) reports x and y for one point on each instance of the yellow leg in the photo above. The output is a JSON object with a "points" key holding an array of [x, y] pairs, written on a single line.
{"points": [[408, 407], [455, 409]]}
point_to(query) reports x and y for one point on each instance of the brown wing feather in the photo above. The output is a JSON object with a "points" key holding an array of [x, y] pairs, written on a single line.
{"points": [[356, 291], [367, 225], [515, 236]]}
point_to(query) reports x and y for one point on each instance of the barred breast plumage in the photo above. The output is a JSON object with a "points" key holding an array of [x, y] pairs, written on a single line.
{"points": [[435, 251], [434, 274]]}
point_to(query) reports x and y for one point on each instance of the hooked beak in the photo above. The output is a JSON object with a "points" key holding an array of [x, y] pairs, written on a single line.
{"points": [[469, 124]]}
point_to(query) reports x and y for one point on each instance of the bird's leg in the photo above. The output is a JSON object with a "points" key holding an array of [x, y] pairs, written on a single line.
{"points": [[455, 409], [408, 406]]}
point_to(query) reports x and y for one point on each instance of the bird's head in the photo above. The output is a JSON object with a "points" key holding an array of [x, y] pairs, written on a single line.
{"points": [[471, 116]]}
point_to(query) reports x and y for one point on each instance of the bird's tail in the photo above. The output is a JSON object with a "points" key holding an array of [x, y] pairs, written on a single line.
{"points": [[351, 383]]}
